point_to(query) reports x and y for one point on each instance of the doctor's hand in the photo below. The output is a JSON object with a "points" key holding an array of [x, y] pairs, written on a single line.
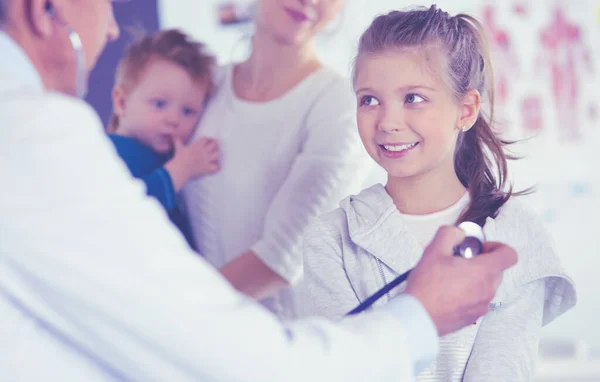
{"points": [[456, 291], [194, 160]]}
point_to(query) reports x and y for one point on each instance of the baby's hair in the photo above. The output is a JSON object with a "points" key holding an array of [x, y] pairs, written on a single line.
{"points": [[171, 45], [480, 160]]}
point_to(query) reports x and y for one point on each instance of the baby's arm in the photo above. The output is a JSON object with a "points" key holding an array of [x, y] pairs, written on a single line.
{"points": [[160, 185], [506, 345], [192, 161]]}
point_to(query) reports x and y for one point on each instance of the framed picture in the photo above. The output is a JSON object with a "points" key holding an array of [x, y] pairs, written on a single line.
{"points": [[236, 12]]}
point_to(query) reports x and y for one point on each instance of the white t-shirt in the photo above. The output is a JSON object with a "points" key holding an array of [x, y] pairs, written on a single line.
{"points": [[425, 226], [283, 162]]}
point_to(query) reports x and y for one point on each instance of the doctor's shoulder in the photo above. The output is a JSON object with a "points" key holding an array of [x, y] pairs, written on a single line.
{"points": [[49, 115]]}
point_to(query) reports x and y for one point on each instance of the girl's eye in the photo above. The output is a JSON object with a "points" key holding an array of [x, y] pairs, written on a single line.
{"points": [[414, 98]]}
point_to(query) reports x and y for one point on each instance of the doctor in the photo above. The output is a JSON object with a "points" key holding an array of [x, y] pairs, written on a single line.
{"points": [[97, 285]]}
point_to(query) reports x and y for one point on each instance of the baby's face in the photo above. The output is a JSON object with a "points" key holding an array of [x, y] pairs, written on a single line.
{"points": [[165, 105]]}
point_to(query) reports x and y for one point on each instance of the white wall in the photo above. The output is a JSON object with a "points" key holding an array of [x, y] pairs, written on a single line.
{"points": [[565, 172]]}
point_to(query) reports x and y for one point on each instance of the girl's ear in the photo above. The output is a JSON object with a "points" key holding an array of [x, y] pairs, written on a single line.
{"points": [[469, 109]]}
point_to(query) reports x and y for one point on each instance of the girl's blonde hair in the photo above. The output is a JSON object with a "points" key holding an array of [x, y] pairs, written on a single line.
{"points": [[462, 41]]}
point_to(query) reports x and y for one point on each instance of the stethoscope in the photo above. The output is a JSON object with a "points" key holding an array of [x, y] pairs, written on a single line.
{"points": [[471, 246]]}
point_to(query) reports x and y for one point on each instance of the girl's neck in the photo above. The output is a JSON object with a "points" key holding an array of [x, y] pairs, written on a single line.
{"points": [[425, 193], [273, 68]]}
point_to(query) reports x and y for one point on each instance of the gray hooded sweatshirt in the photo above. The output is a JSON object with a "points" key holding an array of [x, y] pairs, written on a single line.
{"points": [[355, 250]]}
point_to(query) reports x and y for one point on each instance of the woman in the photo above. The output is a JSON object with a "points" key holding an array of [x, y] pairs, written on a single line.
{"points": [[286, 127]]}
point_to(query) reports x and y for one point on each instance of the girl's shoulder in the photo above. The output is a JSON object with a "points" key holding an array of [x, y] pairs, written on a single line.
{"points": [[518, 226], [357, 215], [516, 208], [518, 220], [329, 227]]}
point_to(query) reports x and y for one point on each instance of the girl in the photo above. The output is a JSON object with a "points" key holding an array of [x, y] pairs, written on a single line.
{"points": [[419, 79], [284, 122]]}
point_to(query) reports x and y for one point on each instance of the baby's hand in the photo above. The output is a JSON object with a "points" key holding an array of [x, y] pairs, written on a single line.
{"points": [[199, 158]]}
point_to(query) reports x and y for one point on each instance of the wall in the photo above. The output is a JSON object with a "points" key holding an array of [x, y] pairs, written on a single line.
{"points": [[141, 14]]}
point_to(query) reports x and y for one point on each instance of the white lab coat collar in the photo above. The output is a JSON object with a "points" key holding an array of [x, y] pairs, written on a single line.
{"points": [[16, 64]]}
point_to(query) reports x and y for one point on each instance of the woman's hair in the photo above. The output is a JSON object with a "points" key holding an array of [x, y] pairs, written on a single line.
{"points": [[480, 161], [171, 45]]}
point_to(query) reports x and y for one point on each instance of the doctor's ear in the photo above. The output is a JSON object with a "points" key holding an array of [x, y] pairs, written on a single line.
{"points": [[40, 14]]}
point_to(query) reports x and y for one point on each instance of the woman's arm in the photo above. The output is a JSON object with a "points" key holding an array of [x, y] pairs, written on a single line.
{"points": [[506, 345], [331, 161], [249, 275]]}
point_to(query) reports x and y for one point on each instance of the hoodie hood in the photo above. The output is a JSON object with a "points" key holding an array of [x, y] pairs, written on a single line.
{"points": [[375, 225]]}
